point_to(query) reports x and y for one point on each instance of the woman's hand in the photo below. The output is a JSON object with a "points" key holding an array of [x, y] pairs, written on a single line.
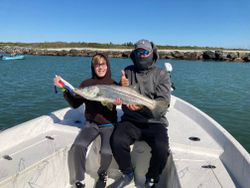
{"points": [[58, 81], [118, 101], [134, 107]]}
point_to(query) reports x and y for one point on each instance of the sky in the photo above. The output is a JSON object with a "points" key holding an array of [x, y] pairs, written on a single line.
{"points": [[212, 23]]}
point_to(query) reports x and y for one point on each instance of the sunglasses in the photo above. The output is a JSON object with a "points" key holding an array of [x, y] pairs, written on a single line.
{"points": [[142, 52]]}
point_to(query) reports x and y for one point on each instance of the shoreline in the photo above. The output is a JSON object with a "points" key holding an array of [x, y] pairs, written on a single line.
{"points": [[216, 55], [160, 50]]}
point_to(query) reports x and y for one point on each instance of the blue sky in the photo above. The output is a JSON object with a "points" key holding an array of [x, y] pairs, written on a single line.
{"points": [[213, 23]]}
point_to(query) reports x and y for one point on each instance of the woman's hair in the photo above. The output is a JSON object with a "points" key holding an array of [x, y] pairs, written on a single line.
{"points": [[97, 58]]}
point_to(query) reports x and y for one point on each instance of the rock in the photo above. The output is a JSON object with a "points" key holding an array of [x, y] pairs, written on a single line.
{"points": [[246, 57], [209, 55], [192, 55], [220, 56], [166, 55], [126, 54], [232, 55], [177, 54], [62, 53], [163, 54], [238, 60]]}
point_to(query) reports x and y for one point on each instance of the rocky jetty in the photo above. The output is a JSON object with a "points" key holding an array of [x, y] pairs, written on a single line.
{"points": [[235, 56]]}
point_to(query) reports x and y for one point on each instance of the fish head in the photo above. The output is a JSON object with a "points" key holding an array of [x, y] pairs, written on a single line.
{"points": [[91, 92]]}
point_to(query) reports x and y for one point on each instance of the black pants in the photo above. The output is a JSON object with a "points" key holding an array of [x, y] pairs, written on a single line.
{"points": [[77, 153], [155, 135]]}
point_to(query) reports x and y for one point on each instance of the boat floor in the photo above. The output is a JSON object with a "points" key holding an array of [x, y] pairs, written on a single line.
{"points": [[43, 157]]}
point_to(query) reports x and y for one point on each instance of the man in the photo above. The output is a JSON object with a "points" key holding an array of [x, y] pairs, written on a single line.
{"points": [[139, 123]]}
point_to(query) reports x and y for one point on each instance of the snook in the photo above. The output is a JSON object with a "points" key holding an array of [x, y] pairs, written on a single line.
{"points": [[106, 94]]}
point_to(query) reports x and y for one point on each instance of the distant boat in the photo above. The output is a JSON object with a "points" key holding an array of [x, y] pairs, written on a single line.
{"points": [[17, 57]]}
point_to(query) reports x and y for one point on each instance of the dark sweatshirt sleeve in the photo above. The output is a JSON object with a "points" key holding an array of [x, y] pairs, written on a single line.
{"points": [[163, 88], [162, 95], [76, 100]]}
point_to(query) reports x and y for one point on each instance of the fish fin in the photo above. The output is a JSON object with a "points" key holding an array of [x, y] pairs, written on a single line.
{"points": [[107, 104], [160, 108]]}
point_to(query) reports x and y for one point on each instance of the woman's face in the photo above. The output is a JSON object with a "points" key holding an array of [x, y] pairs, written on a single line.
{"points": [[101, 68]]}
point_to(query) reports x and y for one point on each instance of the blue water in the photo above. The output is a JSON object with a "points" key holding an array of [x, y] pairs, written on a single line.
{"points": [[220, 89]]}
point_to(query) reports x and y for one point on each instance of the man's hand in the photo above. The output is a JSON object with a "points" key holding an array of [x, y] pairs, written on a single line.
{"points": [[124, 81]]}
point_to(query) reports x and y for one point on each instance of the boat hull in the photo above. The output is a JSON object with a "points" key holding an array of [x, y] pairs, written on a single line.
{"points": [[38, 152], [7, 58]]}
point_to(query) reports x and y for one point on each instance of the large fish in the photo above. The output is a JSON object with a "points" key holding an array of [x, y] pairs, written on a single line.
{"points": [[106, 94]]}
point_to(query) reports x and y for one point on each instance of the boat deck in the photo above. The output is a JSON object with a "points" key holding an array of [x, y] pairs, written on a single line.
{"points": [[37, 153], [197, 162]]}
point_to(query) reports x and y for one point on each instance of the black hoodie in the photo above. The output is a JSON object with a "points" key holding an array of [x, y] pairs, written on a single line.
{"points": [[95, 111]]}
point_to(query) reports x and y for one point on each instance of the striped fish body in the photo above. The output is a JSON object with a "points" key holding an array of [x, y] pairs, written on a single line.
{"points": [[108, 94]]}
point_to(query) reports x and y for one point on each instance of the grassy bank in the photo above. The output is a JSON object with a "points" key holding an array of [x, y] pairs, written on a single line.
{"points": [[128, 45]]}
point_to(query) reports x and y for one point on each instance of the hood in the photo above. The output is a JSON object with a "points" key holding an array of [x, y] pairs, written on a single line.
{"points": [[107, 78], [143, 64]]}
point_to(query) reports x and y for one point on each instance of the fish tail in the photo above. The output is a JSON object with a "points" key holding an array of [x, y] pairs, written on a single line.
{"points": [[160, 108]]}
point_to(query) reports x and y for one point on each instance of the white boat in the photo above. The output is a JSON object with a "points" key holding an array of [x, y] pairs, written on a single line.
{"points": [[17, 57], [203, 154]]}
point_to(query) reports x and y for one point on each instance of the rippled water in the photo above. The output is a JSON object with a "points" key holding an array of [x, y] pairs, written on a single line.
{"points": [[220, 89]]}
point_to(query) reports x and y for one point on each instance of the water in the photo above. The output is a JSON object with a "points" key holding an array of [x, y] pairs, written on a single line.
{"points": [[220, 89]]}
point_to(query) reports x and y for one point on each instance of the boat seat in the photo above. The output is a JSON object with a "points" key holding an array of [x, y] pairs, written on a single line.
{"points": [[15, 160], [140, 155]]}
